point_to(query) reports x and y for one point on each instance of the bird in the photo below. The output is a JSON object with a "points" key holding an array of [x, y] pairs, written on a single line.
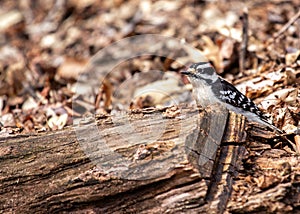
{"points": [[210, 89]]}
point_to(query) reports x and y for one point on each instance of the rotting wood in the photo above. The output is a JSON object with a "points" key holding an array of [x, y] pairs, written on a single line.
{"points": [[53, 172]]}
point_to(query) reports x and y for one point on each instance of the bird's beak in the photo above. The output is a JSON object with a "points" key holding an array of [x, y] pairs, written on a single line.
{"points": [[189, 71]]}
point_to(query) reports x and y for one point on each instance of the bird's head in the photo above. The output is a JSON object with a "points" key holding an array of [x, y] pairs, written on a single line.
{"points": [[201, 71]]}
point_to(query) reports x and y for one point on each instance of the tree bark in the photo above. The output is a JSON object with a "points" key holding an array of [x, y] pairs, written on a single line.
{"points": [[146, 161]]}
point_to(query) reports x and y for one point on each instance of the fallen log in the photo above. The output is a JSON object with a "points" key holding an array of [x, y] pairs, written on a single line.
{"points": [[139, 162]]}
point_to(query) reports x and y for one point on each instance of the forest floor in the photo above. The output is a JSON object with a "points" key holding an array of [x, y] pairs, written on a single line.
{"points": [[45, 47]]}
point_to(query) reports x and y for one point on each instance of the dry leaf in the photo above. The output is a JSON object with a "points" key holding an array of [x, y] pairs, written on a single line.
{"points": [[288, 95], [8, 120], [71, 68], [29, 103], [57, 122], [291, 58], [10, 18], [212, 53]]}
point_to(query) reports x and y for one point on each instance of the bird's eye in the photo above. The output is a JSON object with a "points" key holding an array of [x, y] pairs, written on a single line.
{"points": [[201, 71]]}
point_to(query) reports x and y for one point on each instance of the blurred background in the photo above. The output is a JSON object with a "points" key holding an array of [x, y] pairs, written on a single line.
{"points": [[45, 46]]}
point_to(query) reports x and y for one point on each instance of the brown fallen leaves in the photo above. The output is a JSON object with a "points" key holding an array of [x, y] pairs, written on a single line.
{"points": [[45, 48]]}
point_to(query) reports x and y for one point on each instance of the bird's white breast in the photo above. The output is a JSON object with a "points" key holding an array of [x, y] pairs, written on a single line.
{"points": [[204, 95]]}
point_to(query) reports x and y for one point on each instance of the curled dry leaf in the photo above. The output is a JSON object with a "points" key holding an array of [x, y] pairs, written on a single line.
{"points": [[7, 120], [290, 129], [288, 95], [57, 122]]}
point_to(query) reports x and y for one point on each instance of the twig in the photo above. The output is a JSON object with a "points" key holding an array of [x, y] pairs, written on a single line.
{"points": [[287, 25], [244, 44]]}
